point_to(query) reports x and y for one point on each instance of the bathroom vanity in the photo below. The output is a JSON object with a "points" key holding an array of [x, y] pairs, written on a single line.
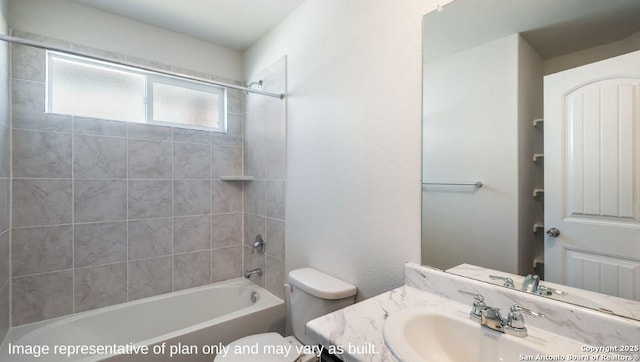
{"points": [[429, 319]]}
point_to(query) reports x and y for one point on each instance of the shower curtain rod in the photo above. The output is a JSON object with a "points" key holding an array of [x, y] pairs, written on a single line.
{"points": [[12, 39]]}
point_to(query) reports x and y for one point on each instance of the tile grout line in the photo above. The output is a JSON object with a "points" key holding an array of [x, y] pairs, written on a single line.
{"points": [[211, 209], [173, 220], [85, 134], [10, 183], [210, 216], [243, 261], [264, 170], [126, 279], [117, 262], [73, 227]]}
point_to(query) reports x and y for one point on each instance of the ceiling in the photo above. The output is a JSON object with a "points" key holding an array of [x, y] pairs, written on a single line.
{"points": [[233, 24], [552, 27]]}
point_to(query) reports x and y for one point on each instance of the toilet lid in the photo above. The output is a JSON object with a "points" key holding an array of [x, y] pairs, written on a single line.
{"points": [[265, 347]]}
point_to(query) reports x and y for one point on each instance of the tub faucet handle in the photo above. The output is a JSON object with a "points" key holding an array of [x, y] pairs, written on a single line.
{"points": [[258, 245]]}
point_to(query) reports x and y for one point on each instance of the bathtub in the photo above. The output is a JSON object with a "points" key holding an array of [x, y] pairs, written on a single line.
{"points": [[191, 324]]}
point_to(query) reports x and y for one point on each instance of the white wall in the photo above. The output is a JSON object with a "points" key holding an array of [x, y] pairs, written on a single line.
{"points": [[81, 24], [470, 133], [627, 45], [353, 136]]}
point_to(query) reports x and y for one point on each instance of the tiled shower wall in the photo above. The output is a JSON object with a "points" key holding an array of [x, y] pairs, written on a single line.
{"points": [[265, 159], [106, 212], [5, 161]]}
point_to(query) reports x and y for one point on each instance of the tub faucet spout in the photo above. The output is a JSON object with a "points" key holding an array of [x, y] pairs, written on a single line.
{"points": [[256, 271]]}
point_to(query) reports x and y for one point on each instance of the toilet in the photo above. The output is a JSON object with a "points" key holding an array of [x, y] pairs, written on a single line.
{"points": [[313, 294]]}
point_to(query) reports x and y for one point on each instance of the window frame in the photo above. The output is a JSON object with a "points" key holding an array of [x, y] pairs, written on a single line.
{"points": [[149, 79]]}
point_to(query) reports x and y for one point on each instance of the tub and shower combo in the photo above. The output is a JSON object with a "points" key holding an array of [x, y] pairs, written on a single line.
{"points": [[189, 325]]}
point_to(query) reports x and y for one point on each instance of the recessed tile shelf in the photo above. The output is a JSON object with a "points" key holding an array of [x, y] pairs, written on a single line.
{"points": [[236, 178]]}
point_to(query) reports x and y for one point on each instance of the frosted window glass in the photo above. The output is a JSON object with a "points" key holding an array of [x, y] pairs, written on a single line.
{"points": [[174, 104], [97, 92], [97, 89]]}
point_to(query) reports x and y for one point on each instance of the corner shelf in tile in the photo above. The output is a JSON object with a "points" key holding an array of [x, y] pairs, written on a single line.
{"points": [[236, 178]]}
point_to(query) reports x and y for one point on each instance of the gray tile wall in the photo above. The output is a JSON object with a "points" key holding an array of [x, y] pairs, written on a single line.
{"points": [[265, 159], [106, 212], [5, 182]]}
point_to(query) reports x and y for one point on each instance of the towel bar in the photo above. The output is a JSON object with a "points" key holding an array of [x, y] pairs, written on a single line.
{"points": [[477, 184]]}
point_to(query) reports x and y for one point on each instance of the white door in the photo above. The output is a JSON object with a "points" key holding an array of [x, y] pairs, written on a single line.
{"points": [[592, 176]]}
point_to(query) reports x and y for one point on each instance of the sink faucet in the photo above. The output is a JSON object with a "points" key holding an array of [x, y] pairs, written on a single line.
{"points": [[530, 284], [252, 272], [491, 318]]}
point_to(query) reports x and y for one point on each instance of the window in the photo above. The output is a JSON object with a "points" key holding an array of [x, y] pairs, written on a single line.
{"points": [[90, 89], [83, 87], [184, 104]]}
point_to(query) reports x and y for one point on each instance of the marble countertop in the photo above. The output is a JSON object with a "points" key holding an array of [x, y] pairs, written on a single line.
{"points": [[358, 329], [355, 333]]}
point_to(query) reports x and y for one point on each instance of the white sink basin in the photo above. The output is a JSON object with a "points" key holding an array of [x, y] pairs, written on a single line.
{"points": [[419, 334]]}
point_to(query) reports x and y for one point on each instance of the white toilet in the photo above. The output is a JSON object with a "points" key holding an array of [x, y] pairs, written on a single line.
{"points": [[313, 294]]}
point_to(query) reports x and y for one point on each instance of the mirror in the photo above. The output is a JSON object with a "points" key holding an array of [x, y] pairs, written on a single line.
{"points": [[484, 62]]}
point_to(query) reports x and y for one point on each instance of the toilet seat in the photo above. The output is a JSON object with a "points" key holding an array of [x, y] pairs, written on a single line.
{"points": [[260, 340]]}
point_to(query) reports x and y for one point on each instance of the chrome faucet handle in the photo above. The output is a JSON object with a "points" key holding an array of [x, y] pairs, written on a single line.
{"points": [[544, 290], [258, 245], [515, 320], [476, 297], [508, 282], [478, 305], [516, 308]]}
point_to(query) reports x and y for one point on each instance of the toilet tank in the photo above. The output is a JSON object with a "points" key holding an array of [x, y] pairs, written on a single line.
{"points": [[313, 294]]}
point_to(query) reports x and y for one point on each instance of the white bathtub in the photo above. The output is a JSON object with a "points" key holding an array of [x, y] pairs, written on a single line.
{"points": [[201, 317]]}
